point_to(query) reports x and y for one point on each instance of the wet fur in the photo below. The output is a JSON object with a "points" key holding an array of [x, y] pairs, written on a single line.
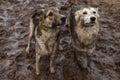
{"points": [[45, 35], [83, 38]]}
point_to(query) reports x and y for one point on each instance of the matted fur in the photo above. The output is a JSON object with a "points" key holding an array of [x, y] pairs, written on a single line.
{"points": [[83, 37], [44, 25]]}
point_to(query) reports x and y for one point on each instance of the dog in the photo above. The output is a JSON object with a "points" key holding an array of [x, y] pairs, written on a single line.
{"points": [[45, 26], [85, 29]]}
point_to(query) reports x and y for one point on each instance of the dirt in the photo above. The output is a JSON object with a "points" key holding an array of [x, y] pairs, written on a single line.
{"points": [[14, 22]]}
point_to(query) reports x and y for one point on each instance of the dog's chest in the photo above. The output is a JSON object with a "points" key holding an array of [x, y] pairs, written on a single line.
{"points": [[48, 36], [47, 41], [87, 35]]}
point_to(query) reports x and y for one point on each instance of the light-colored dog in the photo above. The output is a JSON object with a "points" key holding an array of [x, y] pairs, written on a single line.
{"points": [[46, 23], [85, 29]]}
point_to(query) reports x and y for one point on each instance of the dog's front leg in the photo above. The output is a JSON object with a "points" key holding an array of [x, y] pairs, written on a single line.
{"points": [[52, 69], [31, 30], [37, 63]]}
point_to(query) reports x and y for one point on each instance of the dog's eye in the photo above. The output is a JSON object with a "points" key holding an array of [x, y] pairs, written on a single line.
{"points": [[94, 12], [84, 12]]}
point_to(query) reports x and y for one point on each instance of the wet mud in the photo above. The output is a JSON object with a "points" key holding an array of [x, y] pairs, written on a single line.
{"points": [[15, 65]]}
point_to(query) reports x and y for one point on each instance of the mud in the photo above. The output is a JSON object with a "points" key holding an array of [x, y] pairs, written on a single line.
{"points": [[14, 22]]}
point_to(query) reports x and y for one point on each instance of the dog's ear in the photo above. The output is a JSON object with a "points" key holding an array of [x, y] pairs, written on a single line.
{"points": [[77, 15], [97, 9], [49, 13], [37, 16]]}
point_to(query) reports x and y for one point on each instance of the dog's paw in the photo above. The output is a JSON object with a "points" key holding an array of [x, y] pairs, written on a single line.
{"points": [[52, 70], [89, 69], [27, 50], [37, 73]]}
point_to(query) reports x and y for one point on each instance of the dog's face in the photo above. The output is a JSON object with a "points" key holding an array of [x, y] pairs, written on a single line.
{"points": [[49, 17], [53, 18], [87, 16]]}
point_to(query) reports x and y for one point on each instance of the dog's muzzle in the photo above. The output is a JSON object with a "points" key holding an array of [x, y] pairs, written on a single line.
{"points": [[90, 20]]}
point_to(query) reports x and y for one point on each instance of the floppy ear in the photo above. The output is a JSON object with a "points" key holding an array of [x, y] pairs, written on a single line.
{"points": [[77, 15], [49, 13], [97, 9], [37, 16]]}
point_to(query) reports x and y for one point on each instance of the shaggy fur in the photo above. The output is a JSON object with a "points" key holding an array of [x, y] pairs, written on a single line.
{"points": [[84, 28], [45, 26]]}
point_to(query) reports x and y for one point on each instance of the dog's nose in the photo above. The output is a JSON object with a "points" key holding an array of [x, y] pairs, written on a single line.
{"points": [[93, 19], [63, 19]]}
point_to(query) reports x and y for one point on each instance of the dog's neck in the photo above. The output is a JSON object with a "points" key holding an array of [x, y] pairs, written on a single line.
{"points": [[46, 28]]}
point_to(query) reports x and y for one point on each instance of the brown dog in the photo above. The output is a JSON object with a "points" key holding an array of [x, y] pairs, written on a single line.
{"points": [[46, 23], [85, 29]]}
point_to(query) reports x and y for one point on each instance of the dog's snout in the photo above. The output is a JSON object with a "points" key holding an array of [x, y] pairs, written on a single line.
{"points": [[63, 19], [92, 18]]}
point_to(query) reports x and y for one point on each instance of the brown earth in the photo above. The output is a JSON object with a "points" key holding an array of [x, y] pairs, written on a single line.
{"points": [[14, 22]]}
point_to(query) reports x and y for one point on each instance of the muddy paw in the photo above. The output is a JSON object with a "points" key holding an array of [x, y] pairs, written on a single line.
{"points": [[37, 73], [52, 70], [27, 50], [89, 69]]}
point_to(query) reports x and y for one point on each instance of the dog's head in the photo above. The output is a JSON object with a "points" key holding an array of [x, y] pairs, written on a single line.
{"points": [[49, 17], [87, 16], [53, 18]]}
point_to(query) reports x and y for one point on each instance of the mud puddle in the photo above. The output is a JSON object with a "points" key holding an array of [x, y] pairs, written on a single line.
{"points": [[14, 21]]}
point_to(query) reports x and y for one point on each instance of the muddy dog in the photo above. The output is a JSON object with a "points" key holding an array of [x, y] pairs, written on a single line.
{"points": [[46, 23], [84, 28], [84, 31]]}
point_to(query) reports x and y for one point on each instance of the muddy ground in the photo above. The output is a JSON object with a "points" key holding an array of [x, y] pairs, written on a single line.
{"points": [[14, 65]]}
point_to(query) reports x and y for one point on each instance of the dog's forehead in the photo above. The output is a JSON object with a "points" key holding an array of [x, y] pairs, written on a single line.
{"points": [[89, 9], [92, 9], [85, 10]]}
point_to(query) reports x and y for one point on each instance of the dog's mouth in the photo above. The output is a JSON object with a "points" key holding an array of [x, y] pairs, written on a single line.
{"points": [[60, 24], [57, 24], [90, 24], [63, 23]]}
